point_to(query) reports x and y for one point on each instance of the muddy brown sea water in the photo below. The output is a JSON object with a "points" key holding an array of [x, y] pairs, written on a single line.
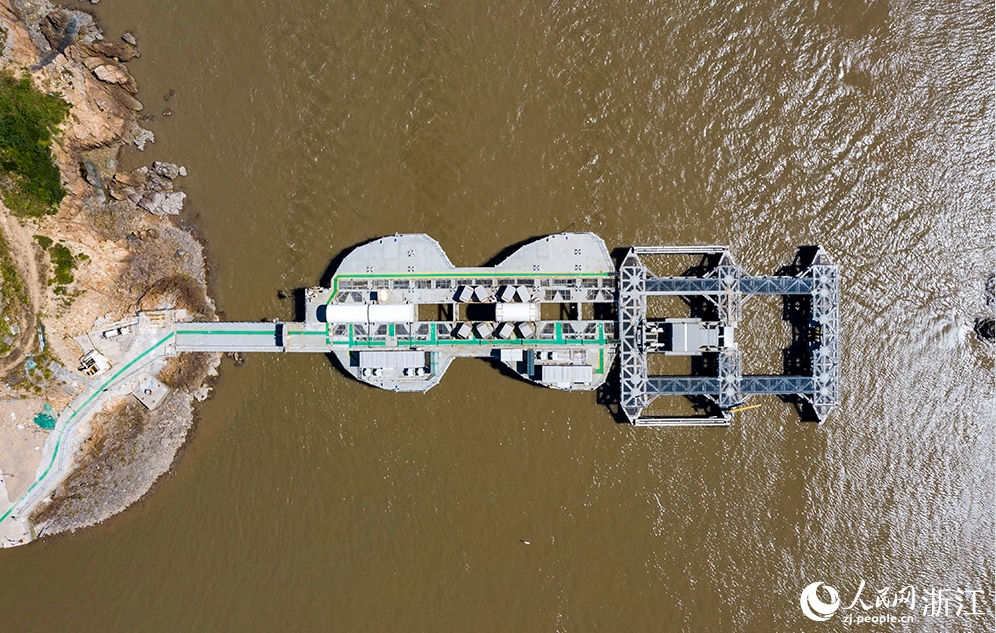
{"points": [[309, 502]]}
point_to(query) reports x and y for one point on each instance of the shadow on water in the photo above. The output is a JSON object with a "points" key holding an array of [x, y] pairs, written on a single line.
{"points": [[796, 309], [608, 395], [335, 262], [504, 253], [618, 254], [803, 259]]}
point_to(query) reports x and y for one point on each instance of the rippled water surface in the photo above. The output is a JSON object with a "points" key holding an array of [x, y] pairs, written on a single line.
{"points": [[308, 502]]}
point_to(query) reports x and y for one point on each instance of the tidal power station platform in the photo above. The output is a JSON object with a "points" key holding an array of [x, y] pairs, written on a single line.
{"points": [[559, 313]]}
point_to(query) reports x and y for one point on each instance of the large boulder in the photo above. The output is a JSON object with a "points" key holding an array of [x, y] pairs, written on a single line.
{"points": [[161, 203], [56, 28], [166, 170], [111, 72], [121, 51]]}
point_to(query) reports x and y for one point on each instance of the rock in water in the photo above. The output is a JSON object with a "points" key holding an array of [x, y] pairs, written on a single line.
{"points": [[142, 137], [166, 170], [122, 51], [173, 203], [110, 74], [159, 203]]}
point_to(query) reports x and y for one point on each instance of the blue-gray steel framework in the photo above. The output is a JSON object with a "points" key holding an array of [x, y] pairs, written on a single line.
{"points": [[726, 286]]}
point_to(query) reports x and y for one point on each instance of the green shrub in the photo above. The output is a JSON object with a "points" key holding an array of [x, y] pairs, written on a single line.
{"points": [[64, 264], [28, 119], [43, 241]]}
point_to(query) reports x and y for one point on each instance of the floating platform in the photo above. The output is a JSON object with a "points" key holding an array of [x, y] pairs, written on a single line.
{"points": [[398, 312], [556, 312]]}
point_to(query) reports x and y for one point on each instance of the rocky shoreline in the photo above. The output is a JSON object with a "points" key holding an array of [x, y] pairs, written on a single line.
{"points": [[127, 254]]}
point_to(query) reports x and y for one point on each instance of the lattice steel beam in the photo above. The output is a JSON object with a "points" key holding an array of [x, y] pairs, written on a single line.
{"points": [[825, 318], [632, 336]]}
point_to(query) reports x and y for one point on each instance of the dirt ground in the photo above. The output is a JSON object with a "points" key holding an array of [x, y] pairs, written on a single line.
{"points": [[21, 441]]}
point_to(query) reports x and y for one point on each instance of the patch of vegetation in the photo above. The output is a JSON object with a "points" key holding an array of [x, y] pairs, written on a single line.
{"points": [[37, 365], [43, 241], [14, 302], [31, 183], [64, 264]]}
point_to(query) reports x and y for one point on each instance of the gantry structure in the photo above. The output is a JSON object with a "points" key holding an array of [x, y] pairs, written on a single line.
{"points": [[726, 287]]}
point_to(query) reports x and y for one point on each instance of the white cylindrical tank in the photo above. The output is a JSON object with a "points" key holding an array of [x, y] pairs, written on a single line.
{"points": [[346, 313], [517, 312], [392, 313], [370, 313]]}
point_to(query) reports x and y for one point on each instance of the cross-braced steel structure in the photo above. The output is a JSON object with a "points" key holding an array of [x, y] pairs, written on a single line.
{"points": [[726, 287]]}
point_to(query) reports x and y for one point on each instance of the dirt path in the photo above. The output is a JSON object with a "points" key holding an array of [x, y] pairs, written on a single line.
{"points": [[24, 255]]}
